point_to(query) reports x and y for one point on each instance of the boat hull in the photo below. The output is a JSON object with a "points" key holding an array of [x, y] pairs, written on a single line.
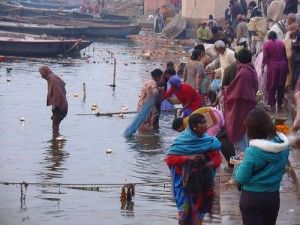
{"points": [[89, 31], [42, 48], [47, 6]]}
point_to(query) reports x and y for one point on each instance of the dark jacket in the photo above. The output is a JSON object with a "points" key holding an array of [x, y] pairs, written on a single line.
{"points": [[229, 74]]}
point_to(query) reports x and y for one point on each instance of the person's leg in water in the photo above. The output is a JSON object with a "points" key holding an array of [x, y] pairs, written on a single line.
{"points": [[55, 127], [57, 117]]}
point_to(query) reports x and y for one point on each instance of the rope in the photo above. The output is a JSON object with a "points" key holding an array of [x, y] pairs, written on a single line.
{"points": [[127, 189], [73, 46], [78, 185], [118, 113]]}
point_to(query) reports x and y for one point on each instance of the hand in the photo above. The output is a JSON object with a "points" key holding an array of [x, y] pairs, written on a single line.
{"points": [[161, 89], [197, 157], [179, 112], [235, 162], [241, 155], [209, 165]]}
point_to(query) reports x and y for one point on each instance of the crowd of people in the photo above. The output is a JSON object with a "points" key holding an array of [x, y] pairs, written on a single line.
{"points": [[227, 89], [219, 89]]}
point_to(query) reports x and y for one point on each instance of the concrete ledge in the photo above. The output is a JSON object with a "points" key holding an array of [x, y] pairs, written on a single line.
{"points": [[229, 199], [295, 168], [294, 158]]}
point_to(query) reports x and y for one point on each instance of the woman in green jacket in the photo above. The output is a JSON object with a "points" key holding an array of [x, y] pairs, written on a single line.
{"points": [[261, 170]]}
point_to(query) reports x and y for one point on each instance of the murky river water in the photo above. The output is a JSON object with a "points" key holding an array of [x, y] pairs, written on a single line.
{"points": [[27, 152]]}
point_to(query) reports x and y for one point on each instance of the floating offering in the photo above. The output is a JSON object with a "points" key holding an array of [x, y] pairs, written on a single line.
{"points": [[147, 55], [121, 115], [108, 151], [75, 95], [93, 108], [124, 108], [22, 119], [94, 105]]}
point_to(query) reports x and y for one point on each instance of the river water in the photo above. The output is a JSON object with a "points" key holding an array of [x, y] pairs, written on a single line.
{"points": [[29, 154]]}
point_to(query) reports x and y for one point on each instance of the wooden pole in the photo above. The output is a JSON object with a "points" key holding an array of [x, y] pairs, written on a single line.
{"points": [[114, 74], [84, 91]]}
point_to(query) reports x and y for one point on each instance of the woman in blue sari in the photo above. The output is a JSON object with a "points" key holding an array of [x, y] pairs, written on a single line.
{"points": [[193, 158]]}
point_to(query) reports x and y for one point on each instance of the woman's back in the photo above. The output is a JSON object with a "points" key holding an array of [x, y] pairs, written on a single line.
{"points": [[191, 68], [264, 164], [275, 51]]}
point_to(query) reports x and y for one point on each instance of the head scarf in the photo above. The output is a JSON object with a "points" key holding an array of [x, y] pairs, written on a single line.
{"points": [[175, 81], [188, 143], [56, 89]]}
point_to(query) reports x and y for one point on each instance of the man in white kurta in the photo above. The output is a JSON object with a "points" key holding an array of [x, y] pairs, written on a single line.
{"points": [[226, 58]]}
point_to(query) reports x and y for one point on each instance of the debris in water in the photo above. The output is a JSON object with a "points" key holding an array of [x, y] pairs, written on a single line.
{"points": [[124, 108], [22, 119], [75, 95], [8, 80], [147, 55], [108, 151], [8, 69], [121, 115]]}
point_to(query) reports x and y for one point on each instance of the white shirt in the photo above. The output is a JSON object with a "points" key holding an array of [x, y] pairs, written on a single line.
{"points": [[222, 62]]}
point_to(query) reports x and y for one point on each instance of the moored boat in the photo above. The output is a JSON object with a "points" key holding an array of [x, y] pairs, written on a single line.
{"points": [[39, 47], [39, 5], [72, 30]]}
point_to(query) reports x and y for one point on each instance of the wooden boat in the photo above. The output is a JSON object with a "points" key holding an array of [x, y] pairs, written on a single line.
{"points": [[17, 10], [21, 45], [117, 31], [71, 30], [110, 16], [38, 5]]}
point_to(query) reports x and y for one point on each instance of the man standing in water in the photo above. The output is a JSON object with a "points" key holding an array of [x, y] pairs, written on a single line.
{"points": [[56, 97]]}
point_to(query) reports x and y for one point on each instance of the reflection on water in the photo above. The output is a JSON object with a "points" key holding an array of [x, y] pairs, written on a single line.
{"points": [[145, 143], [55, 155]]}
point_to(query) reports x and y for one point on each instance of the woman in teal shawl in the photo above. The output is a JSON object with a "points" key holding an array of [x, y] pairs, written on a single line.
{"points": [[193, 158]]}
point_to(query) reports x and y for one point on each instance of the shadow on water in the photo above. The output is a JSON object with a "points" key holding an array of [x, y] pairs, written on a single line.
{"points": [[55, 155]]}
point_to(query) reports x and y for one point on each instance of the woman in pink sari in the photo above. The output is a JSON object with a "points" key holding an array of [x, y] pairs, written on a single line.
{"points": [[150, 89]]}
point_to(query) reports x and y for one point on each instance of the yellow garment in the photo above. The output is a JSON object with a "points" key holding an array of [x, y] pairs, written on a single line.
{"points": [[203, 33], [207, 112], [259, 25]]}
